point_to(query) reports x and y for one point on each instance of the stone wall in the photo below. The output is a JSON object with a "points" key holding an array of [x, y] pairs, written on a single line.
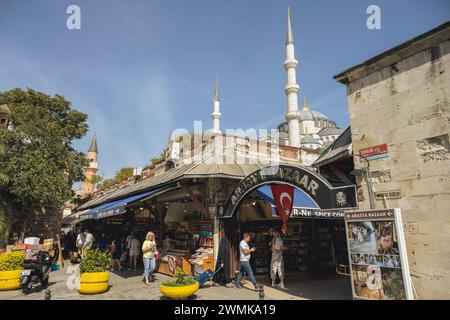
{"points": [[406, 105]]}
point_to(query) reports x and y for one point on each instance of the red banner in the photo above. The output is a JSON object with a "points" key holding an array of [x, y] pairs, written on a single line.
{"points": [[283, 195]]}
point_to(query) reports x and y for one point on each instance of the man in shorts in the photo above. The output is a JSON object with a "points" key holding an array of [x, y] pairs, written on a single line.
{"points": [[134, 247]]}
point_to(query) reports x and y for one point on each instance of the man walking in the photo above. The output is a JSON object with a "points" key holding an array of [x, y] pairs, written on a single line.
{"points": [[80, 242], [88, 242], [244, 261], [134, 247]]}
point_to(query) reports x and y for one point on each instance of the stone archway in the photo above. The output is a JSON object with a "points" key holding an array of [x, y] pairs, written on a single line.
{"points": [[320, 190]]}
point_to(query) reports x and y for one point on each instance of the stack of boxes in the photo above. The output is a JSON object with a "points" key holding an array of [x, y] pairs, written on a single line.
{"points": [[33, 247]]}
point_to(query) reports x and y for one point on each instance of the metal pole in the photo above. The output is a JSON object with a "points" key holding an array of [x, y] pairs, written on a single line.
{"points": [[369, 185], [369, 182]]}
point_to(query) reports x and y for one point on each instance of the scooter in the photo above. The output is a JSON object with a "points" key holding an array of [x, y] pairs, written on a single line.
{"points": [[35, 273]]}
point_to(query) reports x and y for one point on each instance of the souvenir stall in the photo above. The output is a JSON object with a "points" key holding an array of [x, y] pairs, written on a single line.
{"points": [[188, 240]]}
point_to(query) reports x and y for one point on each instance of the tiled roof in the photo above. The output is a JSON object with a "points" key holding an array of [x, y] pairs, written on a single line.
{"points": [[209, 166]]}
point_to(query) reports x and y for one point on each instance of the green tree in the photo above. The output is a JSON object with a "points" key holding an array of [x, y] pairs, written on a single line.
{"points": [[106, 184], [37, 155], [6, 217], [123, 174], [96, 179], [158, 159]]}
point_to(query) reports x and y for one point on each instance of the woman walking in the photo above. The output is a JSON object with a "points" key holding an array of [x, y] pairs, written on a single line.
{"points": [[148, 250], [115, 250], [277, 263]]}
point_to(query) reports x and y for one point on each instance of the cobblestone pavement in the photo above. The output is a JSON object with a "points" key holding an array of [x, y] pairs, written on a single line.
{"points": [[127, 285]]}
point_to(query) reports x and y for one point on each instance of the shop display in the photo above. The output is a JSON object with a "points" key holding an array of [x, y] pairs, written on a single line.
{"points": [[183, 238], [204, 255], [309, 246], [261, 259], [324, 245], [340, 248], [201, 260], [174, 259], [206, 234]]}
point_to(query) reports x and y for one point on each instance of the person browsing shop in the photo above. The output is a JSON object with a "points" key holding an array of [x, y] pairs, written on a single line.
{"points": [[148, 250], [277, 261], [103, 243], [88, 242], [223, 265], [115, 251], [244, 261], [133, 246], [80, 242]]}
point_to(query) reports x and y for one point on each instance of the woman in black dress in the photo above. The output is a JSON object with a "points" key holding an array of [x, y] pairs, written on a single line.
{"points": [[222, 277], [116, 251]]}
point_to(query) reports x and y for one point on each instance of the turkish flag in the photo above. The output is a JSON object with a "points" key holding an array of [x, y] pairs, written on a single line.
{"points": [[283, 195]]}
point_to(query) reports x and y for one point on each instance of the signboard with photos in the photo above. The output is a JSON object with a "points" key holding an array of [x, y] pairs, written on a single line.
{"points": [[377, 254]]}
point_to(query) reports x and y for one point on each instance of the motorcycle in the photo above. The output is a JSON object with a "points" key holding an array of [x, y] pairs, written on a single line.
{"points": [[35, 273]]}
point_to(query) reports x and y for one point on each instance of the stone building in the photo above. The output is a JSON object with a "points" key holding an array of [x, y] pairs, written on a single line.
{"points": [[401, 98]]}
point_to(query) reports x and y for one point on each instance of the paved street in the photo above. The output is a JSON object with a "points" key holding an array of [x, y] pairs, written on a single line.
{"points": [[127, 285]]}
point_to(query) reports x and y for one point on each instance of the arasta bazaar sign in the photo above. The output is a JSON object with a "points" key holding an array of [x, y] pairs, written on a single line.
{"points": [[325, 195], [370, 214]]}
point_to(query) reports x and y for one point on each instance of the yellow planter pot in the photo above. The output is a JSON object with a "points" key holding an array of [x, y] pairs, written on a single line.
{"points": [[10, 280], [179, 292], [94, 282]]}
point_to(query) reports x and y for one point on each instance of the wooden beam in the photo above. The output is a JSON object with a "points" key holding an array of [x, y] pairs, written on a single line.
{"points": [[340, 174], [197, 202]]}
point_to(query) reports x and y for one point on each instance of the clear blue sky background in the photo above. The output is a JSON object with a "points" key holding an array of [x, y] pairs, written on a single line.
{"points": [[141, 68]]}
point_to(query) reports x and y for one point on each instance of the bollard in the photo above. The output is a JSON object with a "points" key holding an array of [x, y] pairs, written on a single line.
{"points": [[261, 292], [47, 294]]}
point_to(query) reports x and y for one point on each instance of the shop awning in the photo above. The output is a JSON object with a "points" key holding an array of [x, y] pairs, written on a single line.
{"points": [[73, 218], [340, 148], [115, 207], [301, 199]]}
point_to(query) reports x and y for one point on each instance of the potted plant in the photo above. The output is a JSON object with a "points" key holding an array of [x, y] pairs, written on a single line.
{"points": [[94, 272], [181, 286], [10, 268]]}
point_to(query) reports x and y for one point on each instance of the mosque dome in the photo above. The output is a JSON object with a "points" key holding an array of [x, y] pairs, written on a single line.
{"points": [[309, 140]]}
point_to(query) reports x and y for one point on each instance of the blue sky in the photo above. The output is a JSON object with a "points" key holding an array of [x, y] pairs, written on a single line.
{"points": [[142, 68]]}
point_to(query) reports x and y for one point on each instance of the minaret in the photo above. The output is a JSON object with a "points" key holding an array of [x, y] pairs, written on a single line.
{"points": [[216, 114], [92, 169], [292, 89]]}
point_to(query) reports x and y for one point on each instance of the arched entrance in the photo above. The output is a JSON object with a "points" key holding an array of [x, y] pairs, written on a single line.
{"points": [[316, 251], [320, 190]]}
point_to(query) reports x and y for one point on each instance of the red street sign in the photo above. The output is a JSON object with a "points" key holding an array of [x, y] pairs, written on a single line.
{"points": [[375, 152]]}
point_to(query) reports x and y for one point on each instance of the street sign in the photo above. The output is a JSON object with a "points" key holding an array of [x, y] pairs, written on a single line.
{"points": [[392, 194], [375, 152]]}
